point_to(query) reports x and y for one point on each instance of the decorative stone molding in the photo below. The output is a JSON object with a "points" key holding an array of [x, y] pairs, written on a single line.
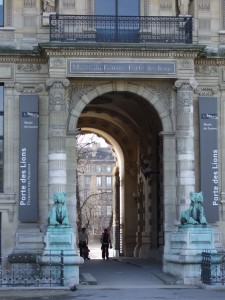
{"points": [[28, 67], [186, 64], [29, 3], [7, 37], [57, 132], [69, 4], [163, 92], [77, 90], [222, 78], [206, 70], [57, 93], [19, 59], [90, 10], [7, 203], [124, 52], [166, 5], [146, 9], [58, 63], [29, 88], [184, 96], [204, 5], [57, 82], [205, 91], [8, 13]]}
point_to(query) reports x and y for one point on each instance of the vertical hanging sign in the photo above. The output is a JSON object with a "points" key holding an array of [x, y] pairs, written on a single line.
{"points": [[209, 157], [28, 159]]}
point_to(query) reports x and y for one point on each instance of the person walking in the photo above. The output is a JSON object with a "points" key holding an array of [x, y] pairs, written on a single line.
{"points": [[106, 242], [83, 240]]}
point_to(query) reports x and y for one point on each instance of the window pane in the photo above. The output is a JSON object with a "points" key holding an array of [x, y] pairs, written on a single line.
{"points": [[88, 168], [125, 7], [108, 168], [1, 97], [87, 180], [105, 7], [128, 7], [109, 181], [1, 13], [98, 168], [1, 126], [98, 181], [1, 165]]}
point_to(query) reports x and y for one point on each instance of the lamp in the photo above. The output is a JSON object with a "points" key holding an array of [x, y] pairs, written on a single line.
{"points": [[146, 170], [136, 197]]}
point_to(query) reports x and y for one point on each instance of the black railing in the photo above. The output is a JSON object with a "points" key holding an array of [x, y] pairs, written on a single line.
{"points": [[120, 29], [213, 268], [24, 270]]}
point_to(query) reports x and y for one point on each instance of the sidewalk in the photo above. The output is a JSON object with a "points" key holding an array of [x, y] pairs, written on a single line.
{"points": [[116, 274]]}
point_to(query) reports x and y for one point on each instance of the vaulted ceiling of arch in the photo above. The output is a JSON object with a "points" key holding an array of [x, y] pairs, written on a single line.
{"points": [[123, 115]]}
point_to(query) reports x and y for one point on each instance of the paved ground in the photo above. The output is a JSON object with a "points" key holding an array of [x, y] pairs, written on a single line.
{"points": [[125, 278]]}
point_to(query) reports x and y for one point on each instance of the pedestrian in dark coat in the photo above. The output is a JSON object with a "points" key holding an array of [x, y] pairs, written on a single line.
{"points": [[106, 243]]}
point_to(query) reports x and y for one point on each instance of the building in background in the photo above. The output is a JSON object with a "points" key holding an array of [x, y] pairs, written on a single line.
{"points": [[95, 184]]}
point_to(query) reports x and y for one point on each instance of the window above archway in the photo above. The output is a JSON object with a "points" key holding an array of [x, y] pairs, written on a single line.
{"points": [[117, 7]]}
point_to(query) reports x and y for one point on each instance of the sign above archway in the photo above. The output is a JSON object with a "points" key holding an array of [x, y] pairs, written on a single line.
{"points": [[83, 68]]}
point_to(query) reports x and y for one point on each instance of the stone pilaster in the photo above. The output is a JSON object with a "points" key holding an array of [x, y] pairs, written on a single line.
{"points": [[116, 212], [184, 143], [57, 136]]}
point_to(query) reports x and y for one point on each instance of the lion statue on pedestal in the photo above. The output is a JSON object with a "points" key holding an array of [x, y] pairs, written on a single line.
{"points": [[59, 214], [195, 213]]}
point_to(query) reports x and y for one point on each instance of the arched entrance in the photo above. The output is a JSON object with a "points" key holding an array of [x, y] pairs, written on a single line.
{"points": [[136, 120]]}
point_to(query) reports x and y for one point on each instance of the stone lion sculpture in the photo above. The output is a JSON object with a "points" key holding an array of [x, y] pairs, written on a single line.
{"points": [[195, 213], [58, 214]]}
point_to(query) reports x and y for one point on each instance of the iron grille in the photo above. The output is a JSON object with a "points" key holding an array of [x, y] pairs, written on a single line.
{"points": [[23, 270], [120, 29], [213, 268]]}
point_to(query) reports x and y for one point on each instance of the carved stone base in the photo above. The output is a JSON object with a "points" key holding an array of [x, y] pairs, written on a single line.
{"points": [[187, 245], [29, 239], [60, 246]]}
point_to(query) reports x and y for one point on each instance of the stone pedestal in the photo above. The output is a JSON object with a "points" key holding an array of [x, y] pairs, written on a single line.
{"points": [[60, 246], [187, 245], [29, 239]]}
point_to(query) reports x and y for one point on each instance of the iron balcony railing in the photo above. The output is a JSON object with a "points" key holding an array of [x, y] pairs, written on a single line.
{"points": [[120, 29]]}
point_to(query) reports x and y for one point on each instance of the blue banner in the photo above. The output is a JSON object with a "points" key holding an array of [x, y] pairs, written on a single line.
{"points": [[209, 157], [28, 159]]}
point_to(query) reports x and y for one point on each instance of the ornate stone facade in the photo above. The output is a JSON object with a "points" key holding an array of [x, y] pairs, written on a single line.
{"points": [[145, 105]]}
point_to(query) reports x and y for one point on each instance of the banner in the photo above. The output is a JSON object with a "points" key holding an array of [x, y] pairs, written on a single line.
{"points": [[28, 159], [209, 157]]}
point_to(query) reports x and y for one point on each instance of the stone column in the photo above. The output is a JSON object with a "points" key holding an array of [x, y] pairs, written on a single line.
{"points": [[57, 136], [116, 212], [184, 143]]}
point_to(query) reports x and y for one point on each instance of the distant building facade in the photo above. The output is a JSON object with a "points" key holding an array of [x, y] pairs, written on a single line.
{"points": [[96, 189]]}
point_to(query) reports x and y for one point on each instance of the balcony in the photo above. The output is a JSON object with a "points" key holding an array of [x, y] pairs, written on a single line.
{"points": [[120, 29]]}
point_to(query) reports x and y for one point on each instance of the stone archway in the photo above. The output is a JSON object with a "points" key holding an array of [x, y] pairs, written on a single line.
{"points": [[160, 97]]}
